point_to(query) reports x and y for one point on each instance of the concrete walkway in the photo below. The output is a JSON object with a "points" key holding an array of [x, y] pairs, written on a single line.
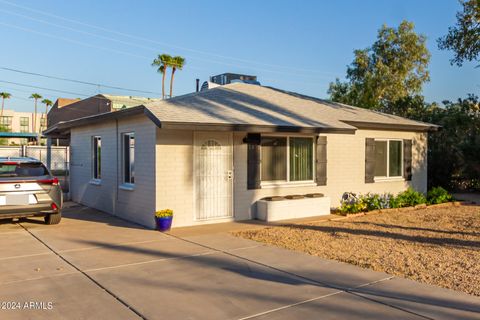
{"points": [[94, 266]]}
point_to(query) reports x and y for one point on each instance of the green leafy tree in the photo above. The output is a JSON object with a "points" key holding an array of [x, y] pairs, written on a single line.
{"points": [[176, 62], [393, 68], [35, 97], [464, 37], [162, 62], [4, 95], [453, 151]]}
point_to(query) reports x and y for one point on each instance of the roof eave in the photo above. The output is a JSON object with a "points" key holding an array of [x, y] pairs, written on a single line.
{"points": [[62, 128], [425, 127]]}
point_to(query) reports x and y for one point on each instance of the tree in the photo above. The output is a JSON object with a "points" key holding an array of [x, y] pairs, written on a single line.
{"points": [[464, 37], [176, 62], [47, 104], [453, 151], [162, 61], [4, 95], [35, 97], [393, 68]]}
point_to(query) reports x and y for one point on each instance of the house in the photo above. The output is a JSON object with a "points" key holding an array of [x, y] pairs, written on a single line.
{"points": [[67, 109], [212, 155], [17, 127]]}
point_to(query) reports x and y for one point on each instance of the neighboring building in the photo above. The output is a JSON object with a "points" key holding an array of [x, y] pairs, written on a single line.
{"points": [[68, 109], [210, 156], [18, 126], [227, 78]]}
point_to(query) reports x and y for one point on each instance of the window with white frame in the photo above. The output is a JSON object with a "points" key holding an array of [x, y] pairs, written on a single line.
{"points": [[287, 159], [97, 157], [128, 151], [388, 158]]}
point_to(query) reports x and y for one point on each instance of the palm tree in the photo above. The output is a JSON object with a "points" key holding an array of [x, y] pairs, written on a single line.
{"points": [[47, 104], [36, 97], [162, 61], [4, 95], [176, 62]]}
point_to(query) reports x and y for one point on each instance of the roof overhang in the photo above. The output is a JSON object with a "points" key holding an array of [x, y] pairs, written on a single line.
{"points": [[424, 127], [62, 129]]}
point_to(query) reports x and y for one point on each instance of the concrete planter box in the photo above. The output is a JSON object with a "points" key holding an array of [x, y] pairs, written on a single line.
{"points": [[292, 209]]}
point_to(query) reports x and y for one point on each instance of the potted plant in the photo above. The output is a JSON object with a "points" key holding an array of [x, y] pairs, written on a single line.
{"points": [[164, 218]]}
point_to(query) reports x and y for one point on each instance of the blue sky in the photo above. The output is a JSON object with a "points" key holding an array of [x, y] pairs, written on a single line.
{"points": [[294, 45]]}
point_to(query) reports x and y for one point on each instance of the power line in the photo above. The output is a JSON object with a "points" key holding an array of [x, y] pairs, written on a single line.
{"points": [[77, 81], [153, 41], [62, 91], [132, 54], [42, 88]]}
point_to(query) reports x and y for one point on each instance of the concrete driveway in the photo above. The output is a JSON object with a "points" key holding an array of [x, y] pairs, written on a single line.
{"points": [[94, 266]]}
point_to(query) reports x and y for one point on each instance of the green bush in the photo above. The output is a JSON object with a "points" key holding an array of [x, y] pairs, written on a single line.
{"points": [[438, 195], [351, 203], [409, 198]]}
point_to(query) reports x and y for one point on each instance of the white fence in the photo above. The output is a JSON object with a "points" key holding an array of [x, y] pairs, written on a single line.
{"points": [[59, 158]]}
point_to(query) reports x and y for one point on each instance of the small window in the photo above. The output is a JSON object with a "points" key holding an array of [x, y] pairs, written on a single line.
{"points": [[24, 124], [301, 159], [274, 159], [129, 158], [97, 157], [6, 123], [388, 158]]}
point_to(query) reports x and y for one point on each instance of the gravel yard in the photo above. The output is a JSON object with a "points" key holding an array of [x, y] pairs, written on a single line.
{"points": [[437, 245]]}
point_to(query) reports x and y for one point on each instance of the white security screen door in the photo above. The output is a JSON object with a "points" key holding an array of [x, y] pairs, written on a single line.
{"points": [[213, 170]]}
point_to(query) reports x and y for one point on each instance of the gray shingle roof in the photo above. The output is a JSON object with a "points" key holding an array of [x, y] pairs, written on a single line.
{"points": [[245, 104]]}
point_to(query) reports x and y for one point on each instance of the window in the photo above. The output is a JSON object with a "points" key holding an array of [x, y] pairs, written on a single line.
{"points": [[288, 159], [97, 157], [43, 122], [301, 159], [274, 159], [6, 123], [388, 158], [23, 170], [24, 124], [129, 158]]}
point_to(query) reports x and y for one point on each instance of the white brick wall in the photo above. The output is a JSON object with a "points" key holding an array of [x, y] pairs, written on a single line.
{"points": [[164, 171], [346, 172], [137, 205], [174, 167]]}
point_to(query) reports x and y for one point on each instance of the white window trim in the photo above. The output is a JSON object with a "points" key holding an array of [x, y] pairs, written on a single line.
{"points": [[279, 183], [391, 178], [126, 185], [93, 180]]}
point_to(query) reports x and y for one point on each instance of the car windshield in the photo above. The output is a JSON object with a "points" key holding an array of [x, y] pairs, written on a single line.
{"points": [[22, 170]]}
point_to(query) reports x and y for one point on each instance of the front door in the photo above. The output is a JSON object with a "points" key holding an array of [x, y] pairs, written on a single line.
{"points": [[213, 170]]}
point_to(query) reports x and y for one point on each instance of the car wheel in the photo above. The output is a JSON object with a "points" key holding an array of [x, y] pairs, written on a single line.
{"points": [[53, 218]]}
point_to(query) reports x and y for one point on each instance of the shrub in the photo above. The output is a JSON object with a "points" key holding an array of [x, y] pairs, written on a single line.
{"points": [[438, 195], [374, 201], [164, 213], [409, 198], [350, 203]]}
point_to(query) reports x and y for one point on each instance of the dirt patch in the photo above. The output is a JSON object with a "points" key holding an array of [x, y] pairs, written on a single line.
{"points": [[439, 246]]}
